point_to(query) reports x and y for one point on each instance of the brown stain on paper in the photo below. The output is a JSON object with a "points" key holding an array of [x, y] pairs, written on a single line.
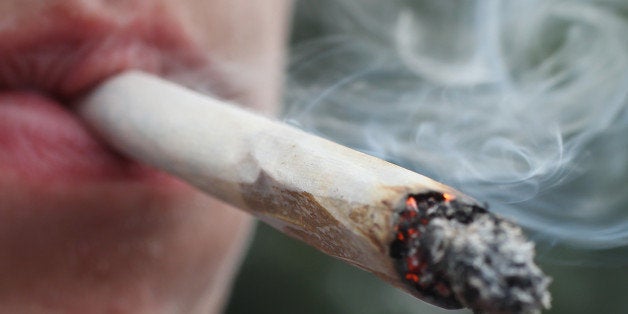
{"points": [[303, 217]]}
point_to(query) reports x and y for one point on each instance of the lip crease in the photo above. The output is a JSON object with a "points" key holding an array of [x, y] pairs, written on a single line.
{"points": [[45, 65]]}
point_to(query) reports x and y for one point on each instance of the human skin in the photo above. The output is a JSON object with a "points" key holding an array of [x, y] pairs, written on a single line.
{"points": [[83, 229]]}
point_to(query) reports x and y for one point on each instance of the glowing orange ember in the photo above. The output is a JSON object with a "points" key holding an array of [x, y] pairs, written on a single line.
{"points": [[412, 232], [412, 277], [448, 197], [411, 203], [400, 236]]}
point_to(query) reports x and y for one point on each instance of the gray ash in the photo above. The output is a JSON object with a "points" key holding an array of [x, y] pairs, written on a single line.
{"points": [[458, 254]]}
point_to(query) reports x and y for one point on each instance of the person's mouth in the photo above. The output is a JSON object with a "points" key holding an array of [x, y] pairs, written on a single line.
{"points": [[45, 65]]}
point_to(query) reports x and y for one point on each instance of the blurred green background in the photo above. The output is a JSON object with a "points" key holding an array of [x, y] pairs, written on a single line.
{"points": [[281, 275]]}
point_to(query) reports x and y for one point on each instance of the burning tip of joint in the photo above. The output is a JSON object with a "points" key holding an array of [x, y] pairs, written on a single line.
{"points": [[456, 254]]}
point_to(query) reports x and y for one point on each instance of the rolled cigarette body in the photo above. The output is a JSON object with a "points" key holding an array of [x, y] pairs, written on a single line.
{"points": [[345, 203]]}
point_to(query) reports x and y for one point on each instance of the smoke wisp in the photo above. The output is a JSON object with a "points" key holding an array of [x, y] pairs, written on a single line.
{"points": [[523, 105]]}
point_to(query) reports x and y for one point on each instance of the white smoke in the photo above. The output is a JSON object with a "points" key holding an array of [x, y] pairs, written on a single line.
{"points": [[523, 104]]}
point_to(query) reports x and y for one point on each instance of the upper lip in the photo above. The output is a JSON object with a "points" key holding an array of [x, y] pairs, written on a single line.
{"points": [[69, 54]]}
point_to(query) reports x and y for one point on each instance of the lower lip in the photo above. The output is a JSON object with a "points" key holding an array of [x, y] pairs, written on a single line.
{"points": [[41, 140]]}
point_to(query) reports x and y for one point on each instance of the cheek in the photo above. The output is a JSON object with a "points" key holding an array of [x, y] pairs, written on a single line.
{"points": [[248, 39], [126, 246]]}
